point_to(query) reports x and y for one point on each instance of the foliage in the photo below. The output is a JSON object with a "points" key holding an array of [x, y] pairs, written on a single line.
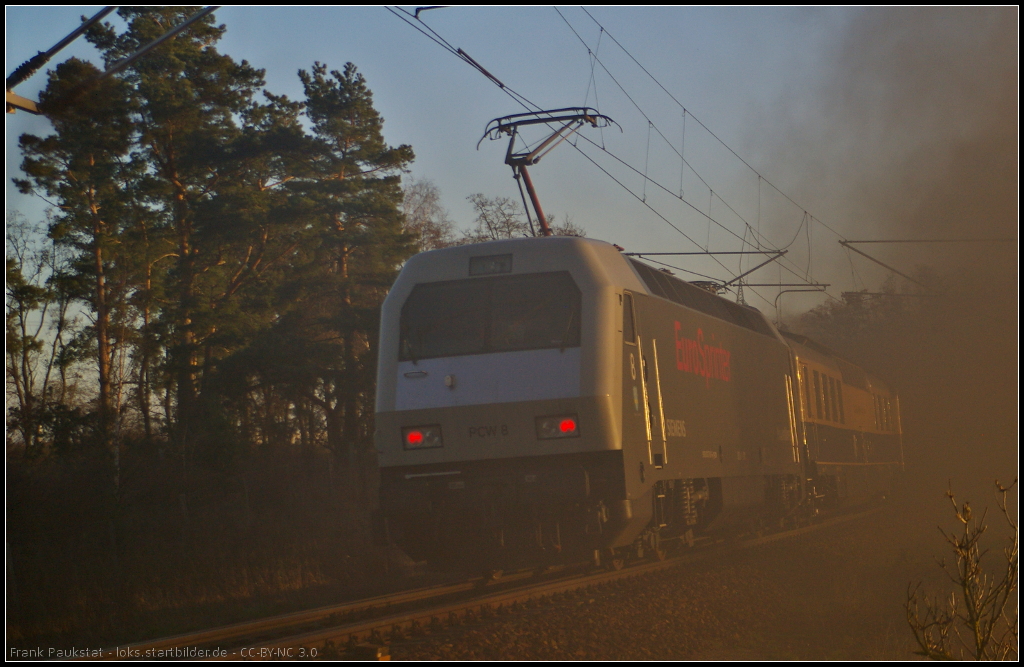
{"points": [[503, 218], [40, 332], [230, 249], [350, 194], [426, 217], [87, 167], [567, 228], [203, 223], [979, 620], [497, 218]]}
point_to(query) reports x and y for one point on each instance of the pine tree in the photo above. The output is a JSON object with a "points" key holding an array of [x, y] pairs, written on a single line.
{"points": [[353, 193], [212, 176], [240, 257], [87, 168]]}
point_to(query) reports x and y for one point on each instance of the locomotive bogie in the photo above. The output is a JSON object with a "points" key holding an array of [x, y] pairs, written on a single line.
{"points": [[506, 512]]}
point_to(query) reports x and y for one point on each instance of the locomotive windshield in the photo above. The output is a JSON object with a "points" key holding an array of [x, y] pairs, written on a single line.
{"points": [[525, 312]]}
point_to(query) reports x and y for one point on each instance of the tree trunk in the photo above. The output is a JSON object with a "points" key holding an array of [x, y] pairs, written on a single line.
{"points": [[186, 354], [103, 355], [144, 407], [335, 430]]}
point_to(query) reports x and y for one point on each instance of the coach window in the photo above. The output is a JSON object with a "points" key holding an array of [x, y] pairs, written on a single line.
{"points": [[826, 396], [823, 394], [826, 382], [805, 389], [817, 396], [842, 411], [834, 391], [628, 325], [822, 386]]}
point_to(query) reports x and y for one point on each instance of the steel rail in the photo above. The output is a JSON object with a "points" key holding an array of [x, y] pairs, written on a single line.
{"points": [[412, 623], [435, 617], [305, 617]]}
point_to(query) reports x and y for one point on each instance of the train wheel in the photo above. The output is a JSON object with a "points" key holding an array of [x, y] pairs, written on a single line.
{"points": [[653, 548], [613, 561]]}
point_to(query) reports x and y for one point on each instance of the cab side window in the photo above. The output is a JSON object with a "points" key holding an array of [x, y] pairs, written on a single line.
{"points": [[628, 325]]}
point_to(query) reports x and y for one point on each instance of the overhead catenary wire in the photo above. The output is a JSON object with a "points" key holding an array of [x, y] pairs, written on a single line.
{"points": [[669, 223], [672, 194], [682, 160], [709, 131], [677, 268], [591, 81], [417, 23], [706, 128], [967, 240], [708, 215], [854, 276], [533, 107], [651, 123], [758, 237], [523, 101], [170, 34], [705, 252]]}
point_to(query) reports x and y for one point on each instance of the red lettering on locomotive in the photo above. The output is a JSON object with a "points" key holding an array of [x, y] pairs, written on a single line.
{"points": [[706, 360]]}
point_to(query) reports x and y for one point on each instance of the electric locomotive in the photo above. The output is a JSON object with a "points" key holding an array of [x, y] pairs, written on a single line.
{"points": [[550, 397]]}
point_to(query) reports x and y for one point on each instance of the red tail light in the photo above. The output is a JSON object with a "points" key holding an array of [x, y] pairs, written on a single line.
{"points": [[557, 426], [422, 437]]}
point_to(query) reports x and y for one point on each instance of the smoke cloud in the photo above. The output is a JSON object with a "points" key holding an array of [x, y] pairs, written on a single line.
{"points": [[912, 133]]}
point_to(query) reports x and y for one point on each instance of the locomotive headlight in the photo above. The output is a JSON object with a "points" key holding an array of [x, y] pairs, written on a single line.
{"points": [[558, 426], [422, 437]]}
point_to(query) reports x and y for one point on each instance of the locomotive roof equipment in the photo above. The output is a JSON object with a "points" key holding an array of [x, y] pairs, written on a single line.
{"points": [[573, 118]]}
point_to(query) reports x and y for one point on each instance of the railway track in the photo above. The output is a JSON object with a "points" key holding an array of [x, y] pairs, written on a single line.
{"points": [[363, 628]]}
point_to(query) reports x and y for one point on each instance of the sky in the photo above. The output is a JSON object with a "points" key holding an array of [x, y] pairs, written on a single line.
{"points": [[802, 126]]}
